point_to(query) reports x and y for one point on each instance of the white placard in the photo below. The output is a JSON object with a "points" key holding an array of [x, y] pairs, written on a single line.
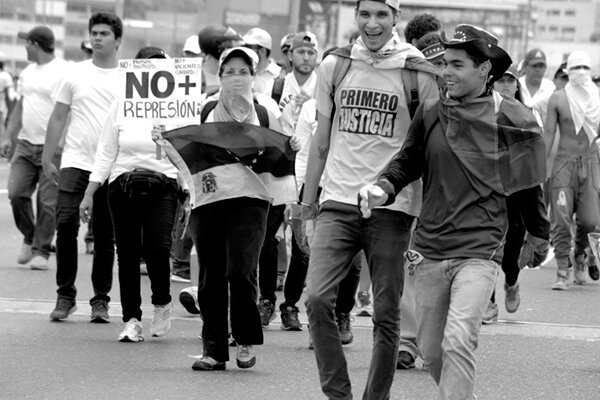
{"points": [[160, 89]]}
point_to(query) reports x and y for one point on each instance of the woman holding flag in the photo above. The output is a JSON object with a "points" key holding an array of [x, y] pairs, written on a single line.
{"points": [[238, 169]]}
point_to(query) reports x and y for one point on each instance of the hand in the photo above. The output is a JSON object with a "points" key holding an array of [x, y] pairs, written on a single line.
{"points": [[302, 98], [50, 171], [533, 252], [371, 196], [295, 143], [157, 131], [5, 147], [85, 209]]}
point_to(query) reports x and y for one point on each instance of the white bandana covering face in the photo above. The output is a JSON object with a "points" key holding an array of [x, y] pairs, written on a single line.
{"points": [[392, 55], [582, 95]]}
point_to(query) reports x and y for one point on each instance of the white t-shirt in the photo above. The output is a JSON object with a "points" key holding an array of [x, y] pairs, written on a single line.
{"points": [[38, 85], [89, 91], [6, 86], [125, 147], [263, 81], [368, 129], [544, 92], [305, 130], [290, 111]]}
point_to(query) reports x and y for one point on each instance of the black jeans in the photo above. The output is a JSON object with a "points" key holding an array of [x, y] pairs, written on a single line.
{"points": [[143, 226], [72, 183], [267, 266], [229, 235]]}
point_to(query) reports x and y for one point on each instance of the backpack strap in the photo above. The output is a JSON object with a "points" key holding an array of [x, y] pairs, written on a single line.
{"points": [[342, 65], [410, 81], [208, 107], [277, 89], [261, 112]]}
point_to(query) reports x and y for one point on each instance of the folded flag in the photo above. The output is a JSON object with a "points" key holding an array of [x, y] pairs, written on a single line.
{"points": [[224, 160]]}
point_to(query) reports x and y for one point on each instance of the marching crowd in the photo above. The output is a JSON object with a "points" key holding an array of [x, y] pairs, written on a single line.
{"points": [[422, 167]]}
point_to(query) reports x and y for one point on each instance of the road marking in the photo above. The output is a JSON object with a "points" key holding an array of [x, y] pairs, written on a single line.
{"points": [[589, 333]]}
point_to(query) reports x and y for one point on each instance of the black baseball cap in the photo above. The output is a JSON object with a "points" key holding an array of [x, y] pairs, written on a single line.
{"points": [[42, 35]]}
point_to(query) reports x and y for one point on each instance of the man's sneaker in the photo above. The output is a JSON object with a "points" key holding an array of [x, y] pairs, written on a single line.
{"points": [[205, 363], [132, 332], [25, 255], [512, 298], [405, 360], [64, 308], [562, 281], [490, 315], [181, 276], [188, 298], [39, 263], [161, 322], [593, 272], [245, 357], [99, 312], [289, 319], [344, 328], [364, 308], [267, 312]]}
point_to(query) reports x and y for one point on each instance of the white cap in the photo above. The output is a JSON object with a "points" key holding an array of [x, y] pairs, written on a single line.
{"points": [[192, 45], [249, 53], [258, 37]]}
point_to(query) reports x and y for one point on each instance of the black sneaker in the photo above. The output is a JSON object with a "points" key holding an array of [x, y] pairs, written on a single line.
{"points": [[289, 319], [99, 312], [267, 312], [405, 360], [344, 327], [593, 272], [64, 308]]}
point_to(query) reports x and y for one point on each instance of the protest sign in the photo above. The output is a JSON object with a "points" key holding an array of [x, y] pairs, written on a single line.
{"points": [[160, 89]]}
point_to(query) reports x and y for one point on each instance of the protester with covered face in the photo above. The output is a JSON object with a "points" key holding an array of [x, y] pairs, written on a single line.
{"points": [[575, 111]]}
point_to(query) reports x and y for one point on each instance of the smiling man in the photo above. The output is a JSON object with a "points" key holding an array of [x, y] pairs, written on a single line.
{"points": [[459, 147], [82, 103], [362, 123]]}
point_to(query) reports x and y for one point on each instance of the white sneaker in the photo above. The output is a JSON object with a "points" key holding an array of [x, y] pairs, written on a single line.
{"points": [[161, 322], [188, 298], [132, 332], [25, 255], [245, 357], [39, 263]]}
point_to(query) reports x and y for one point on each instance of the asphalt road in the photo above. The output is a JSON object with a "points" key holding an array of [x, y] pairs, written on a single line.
{"points": [[549, 349]]}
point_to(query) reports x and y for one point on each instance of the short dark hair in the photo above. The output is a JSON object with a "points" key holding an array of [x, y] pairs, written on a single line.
{"points": [[420, 25], [109, 19]]}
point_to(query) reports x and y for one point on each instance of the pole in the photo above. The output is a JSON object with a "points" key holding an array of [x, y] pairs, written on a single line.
{"points": [[294, 25]]}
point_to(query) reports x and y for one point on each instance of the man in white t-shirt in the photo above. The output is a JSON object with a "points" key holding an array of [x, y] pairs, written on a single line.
{"points": [[29, 119], [6, 88], [368, 128], [267, 70], [534, 87], [82, 104]]}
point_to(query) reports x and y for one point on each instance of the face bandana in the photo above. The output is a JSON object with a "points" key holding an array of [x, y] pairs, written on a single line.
{"points": [[236, 102], [584, 102]]}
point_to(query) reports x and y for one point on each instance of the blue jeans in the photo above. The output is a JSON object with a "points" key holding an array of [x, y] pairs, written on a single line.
{"points": [[340, 234], [451, 296], [26, 174], [72, 183]]}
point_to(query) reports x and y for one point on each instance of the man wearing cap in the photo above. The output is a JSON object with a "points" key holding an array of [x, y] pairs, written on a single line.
{"points": [[28, 123], [574, 181], [467, 171], [82, 103], [362, 124], [267, 70], [533, 84]]}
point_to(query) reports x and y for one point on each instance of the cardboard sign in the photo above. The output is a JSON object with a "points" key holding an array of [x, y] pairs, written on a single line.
{"points": [[160, 89]]}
